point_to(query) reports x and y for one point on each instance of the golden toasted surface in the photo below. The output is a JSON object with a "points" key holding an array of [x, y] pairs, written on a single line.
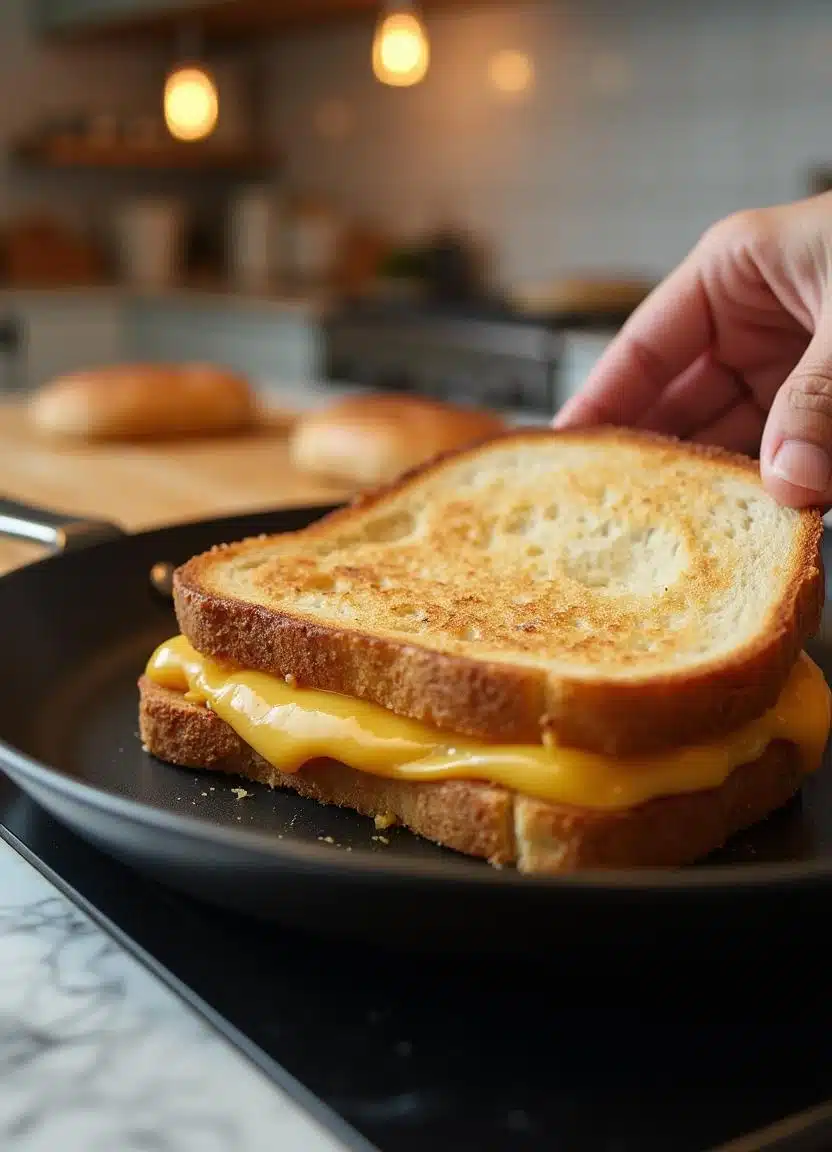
{"points": [[543, 580], [484, 821]]}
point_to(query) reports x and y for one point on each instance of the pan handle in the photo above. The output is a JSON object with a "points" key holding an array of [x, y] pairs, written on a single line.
{"points": [[58, 531]]}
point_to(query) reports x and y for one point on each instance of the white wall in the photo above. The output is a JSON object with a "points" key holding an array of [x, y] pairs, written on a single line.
{"points": [[648, 120]]}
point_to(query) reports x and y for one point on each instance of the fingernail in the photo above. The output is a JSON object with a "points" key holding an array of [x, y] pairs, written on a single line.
{"points": [[803, 464]]}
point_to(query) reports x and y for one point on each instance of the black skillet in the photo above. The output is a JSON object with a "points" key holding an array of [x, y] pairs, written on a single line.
{"points": [[77, 628]]}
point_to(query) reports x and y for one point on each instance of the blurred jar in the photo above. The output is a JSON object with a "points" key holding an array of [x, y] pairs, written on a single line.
{"points": [[251, 238], [151, 242], [312, 238]]}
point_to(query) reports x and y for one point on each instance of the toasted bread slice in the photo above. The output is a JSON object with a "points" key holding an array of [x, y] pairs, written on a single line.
{"points": [[623, 591], [485, 821]]}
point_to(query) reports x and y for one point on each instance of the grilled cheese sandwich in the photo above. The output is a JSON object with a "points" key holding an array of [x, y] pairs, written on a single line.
{"points": [[560, 650]]}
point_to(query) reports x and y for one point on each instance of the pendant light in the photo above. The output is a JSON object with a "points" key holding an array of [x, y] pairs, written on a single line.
{"points": [[401, 51], [191, 98]]}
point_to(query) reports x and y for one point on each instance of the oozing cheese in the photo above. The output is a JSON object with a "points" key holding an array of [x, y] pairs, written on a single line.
{"points": [[289, 726]]}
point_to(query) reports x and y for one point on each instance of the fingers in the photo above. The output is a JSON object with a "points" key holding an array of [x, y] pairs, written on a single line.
{"points": [[796, 452], [739, 429], [663, 337], [694, 400]]}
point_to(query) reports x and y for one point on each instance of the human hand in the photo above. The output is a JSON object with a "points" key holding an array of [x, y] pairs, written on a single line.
{"points": [[735, 348]]}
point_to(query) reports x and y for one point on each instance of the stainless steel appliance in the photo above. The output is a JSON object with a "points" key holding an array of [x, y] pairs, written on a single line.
{"points": [[486, 354], [475, 356]]}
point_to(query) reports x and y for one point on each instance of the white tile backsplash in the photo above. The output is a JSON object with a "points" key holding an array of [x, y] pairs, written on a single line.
{"points": [[646, 121]]}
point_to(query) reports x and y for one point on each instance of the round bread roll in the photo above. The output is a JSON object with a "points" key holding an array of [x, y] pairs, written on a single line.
{"points": [[371, 439], [143, 400]]}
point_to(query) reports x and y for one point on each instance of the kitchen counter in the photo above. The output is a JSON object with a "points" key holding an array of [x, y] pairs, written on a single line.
{"points": [[145, 485], [94, 1050]]}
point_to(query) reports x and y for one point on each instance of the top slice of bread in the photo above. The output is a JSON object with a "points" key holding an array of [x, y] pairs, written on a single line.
{"points": [[622, 591]]}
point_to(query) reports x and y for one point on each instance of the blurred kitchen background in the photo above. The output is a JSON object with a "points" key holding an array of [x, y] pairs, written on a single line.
{"points": [[468, 208]]}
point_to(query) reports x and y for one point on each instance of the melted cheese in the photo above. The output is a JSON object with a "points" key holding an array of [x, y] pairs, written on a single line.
{"points": [[289, 726]]}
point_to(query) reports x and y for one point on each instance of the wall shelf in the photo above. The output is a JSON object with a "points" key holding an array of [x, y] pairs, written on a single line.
{"points": [[166, 156]]}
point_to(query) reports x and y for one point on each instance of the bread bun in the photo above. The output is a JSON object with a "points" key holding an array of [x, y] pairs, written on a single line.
{"points": [[371, 439], [592, 295], [143, 400]]}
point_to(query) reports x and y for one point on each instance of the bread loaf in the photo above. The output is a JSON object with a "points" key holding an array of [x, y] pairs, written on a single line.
{"points": [[371, 439], [144, 400]]}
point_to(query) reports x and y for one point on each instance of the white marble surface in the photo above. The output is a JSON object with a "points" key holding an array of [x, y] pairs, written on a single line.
{"points": [[98, 1055]]}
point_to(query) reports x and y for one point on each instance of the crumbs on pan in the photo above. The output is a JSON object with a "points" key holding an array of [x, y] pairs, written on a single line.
{"points": [[240, 793], [330, 840], [380, 839]]}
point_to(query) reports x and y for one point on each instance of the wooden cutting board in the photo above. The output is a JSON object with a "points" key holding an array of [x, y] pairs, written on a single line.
{"points": [[145, 485]]}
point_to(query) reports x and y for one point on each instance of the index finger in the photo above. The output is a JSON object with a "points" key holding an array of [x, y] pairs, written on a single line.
{"points": [[662, 338]]}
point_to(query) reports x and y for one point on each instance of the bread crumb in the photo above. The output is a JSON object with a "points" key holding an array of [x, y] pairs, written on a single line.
{"points": [[240, 793], [384, 820], [381, 839], [203, 793], [145, 748], [327, 839], [290, 680]]}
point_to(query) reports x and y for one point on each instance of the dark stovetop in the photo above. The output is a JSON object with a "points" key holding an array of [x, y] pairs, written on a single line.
{"points": [[670, 1038]]}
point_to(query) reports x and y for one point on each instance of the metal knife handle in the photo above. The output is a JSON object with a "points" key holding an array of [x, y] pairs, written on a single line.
{"points": [[58, 531]]}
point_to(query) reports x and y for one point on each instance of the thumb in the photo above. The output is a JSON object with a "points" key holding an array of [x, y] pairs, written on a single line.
{"points": [[796, 449]]}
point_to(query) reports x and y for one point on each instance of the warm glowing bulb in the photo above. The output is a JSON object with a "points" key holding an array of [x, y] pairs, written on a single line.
{"points": [[401, 52], [511, 72], [191, 104]]}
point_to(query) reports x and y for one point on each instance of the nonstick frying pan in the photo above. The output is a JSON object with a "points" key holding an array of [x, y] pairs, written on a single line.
{"points": [[77, 629]]}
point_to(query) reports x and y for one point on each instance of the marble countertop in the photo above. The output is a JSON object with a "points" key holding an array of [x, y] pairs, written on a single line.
{"points": [[97, 1053]]}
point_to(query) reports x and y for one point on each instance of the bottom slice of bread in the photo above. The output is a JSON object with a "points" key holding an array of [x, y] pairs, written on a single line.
{"points": [[480, 819]]}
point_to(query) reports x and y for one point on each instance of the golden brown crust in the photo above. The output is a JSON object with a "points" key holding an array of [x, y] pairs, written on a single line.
{"points": [[485, 821], [370, 439], [503, 701]]}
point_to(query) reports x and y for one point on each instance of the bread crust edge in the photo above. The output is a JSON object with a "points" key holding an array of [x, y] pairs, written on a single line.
{"points": [[496, 701]]}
